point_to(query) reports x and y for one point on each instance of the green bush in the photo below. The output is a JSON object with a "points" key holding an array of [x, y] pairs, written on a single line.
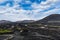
{"points": [[5, 30]]}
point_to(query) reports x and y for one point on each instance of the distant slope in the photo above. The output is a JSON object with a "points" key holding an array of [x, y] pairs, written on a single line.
{"points": [[4, 21], [25, 21], [53, 19]]}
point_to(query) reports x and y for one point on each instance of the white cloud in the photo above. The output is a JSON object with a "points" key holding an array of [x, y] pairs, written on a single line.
{"points": [[1, 1], [10, 13]]}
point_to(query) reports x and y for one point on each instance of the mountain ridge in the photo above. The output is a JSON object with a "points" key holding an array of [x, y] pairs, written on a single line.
{"points": [[50, 20]]}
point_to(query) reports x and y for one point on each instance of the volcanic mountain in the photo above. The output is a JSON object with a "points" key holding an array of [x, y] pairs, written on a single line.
{"points": [[53, 19]]}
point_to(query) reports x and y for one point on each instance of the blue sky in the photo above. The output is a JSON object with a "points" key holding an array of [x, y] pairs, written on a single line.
{"points": [[17, 10]]}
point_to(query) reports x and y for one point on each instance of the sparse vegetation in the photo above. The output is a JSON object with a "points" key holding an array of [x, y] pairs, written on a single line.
{"points": [[5, 30]]}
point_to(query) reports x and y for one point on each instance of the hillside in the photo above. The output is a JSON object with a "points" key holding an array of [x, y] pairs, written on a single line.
{"points": [[53, 19]]}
